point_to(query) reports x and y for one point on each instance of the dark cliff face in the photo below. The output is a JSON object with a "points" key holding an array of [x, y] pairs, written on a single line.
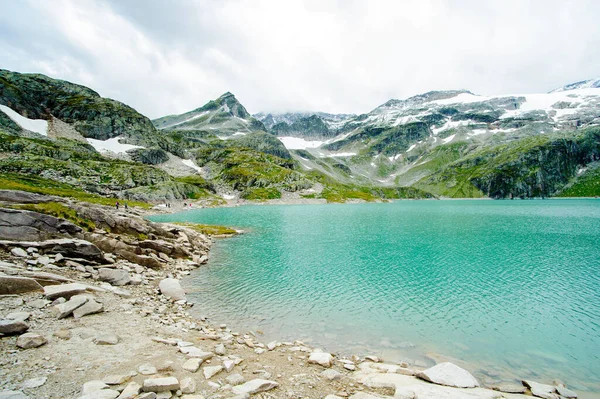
{"points": [[37, 96]]}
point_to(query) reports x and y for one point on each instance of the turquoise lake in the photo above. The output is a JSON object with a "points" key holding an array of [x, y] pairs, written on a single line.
{"points": [[509, 288]]}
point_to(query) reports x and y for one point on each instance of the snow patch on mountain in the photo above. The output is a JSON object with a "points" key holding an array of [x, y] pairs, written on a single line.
{"points": [[111, 145], [34, 125], [191, 164], [296, 143]]}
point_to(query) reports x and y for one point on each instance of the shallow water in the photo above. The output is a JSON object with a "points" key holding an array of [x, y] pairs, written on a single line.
{"points": [[509, 287]]}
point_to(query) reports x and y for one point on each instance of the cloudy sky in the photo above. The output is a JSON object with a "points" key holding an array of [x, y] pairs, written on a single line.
{"points": [[345, 56]]}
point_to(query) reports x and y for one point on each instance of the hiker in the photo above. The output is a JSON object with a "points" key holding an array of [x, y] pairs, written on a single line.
{"points": [[126, 206], [117, 205]]}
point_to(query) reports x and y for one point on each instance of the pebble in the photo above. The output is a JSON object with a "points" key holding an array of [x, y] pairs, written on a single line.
{"points": [[38, 303]]}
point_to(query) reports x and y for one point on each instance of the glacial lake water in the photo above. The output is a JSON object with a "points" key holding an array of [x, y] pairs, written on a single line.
{"points": [[509, 289]]}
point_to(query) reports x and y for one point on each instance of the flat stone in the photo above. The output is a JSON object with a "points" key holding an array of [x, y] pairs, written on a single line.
{"points": [[117, 379], [116, 277], [101, 394], [254, 386], [19, 316], [131, 391], [20, 252], [93, 386], [13, 395], [11, 327], [38, 303], [13, 285], [192, 365], [106, 339], [43, 260], [449, 374], [30, 340], [146, 369], [164, 395], [349, 366], [541, 390], [91, 307], [171, 288], [188, 385], [192, 351], [34, 382], [65, 309], [565, 392], [509, 388], [64, 290], [210, 371], [322, 358], [331, 374], [235, 379], [161, 384], [146, 395]]}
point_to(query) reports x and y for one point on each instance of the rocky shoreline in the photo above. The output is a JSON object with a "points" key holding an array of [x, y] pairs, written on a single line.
{"points": [[98, 312]]}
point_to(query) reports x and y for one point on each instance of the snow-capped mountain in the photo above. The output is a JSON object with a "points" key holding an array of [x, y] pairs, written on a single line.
{"points": [[584, 84]]}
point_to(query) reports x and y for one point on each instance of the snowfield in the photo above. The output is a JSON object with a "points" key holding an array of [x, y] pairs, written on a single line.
{"points": [[191, 164], [35, 125], [111, 145], [296, 143]]}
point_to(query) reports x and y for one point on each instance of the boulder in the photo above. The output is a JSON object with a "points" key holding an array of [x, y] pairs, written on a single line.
{"points": [[30, 340], [171, 288], [23, 197], [161, 384], [24, 225], [63, 310], [90, 307], [68, 247], [116, 277], [64, 290], [322, 358], [12, 327], [449, 374], [10, 285], [254, 386]]}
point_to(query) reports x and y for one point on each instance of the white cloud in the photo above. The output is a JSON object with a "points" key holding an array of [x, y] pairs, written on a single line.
{"points": [[337, 56]]}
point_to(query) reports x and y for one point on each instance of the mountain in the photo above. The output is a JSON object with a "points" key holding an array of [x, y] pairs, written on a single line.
{"points": [[224, 116], [330, 120], [584, 84]]}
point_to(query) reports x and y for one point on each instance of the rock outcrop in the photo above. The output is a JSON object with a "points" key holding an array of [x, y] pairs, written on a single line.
{"points": [[27, 225]]}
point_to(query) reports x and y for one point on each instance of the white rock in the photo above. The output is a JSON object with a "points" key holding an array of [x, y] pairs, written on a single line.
{"points": [[322, 358], [20, 252], [349, 366], [192, 351], [210, 371], [116, 379], [254, 386], [171, 288], [101, 394], [161, 384], [229, 365], [271, 345], [192, 365], [259, 351], [541, 390], [449, 374], [43, 260], [146, 369], [565, 392], [13, 395], [34, 382], [63, 310], [92, 386], [331, 374], [220, 349], [188, 385], [131, 391]]}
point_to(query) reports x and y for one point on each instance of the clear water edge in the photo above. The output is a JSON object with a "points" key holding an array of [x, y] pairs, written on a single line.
{"points": [[423, 281]]}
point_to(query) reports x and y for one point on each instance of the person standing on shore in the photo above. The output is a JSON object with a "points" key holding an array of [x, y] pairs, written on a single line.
{"points": [[117, 205]]}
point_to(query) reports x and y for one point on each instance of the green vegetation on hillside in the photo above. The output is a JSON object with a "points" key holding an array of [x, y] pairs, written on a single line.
{"points": [[209, 229]]}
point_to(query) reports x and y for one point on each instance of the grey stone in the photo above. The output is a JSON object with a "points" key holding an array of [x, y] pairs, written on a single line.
{"points": [[116, 277], [28, 225], [106, 339], [38, 303], [11, 327], [161, 384], [254, 386], [11, 285], [449, 374], [20, 316], [20, 252], [171, 288], [88, 308], [64, 290], [30, 340], [65, 309], [24, 197]]}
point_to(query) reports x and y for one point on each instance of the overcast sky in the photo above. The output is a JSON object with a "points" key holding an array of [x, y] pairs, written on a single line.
{"points": [[343, 56]]}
